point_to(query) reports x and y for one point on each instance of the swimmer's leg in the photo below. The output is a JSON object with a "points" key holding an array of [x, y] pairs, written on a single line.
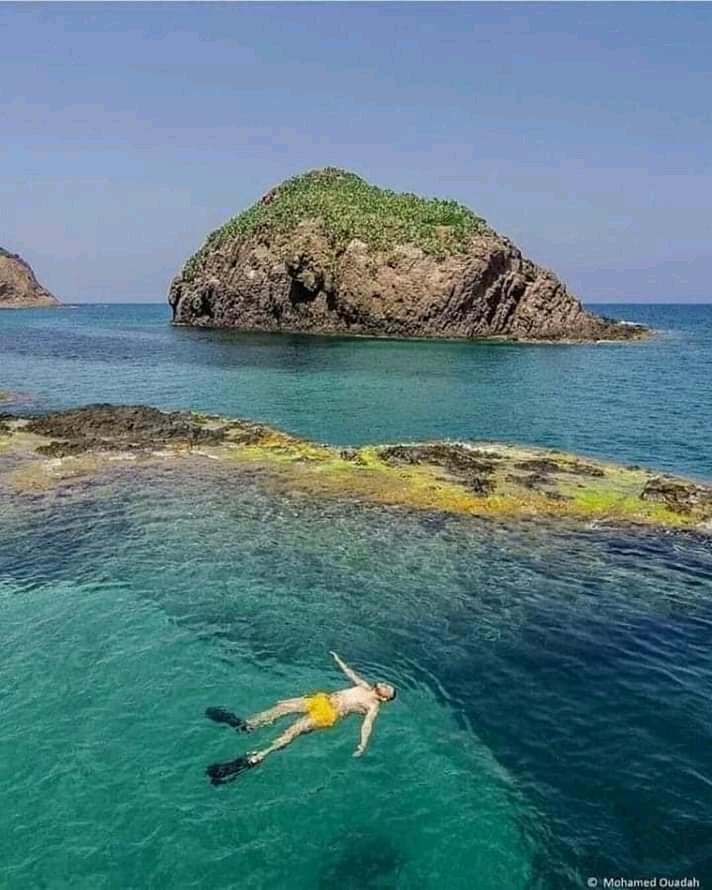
{"points": [[300, 727], [281, 709], [222, 773]]}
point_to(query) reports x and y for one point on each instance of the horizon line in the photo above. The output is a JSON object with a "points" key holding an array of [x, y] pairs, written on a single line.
{"points": [[122, 302]]}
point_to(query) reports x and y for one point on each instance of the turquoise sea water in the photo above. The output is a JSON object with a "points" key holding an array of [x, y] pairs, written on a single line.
{"points": [[647, 402], [553, 721]]}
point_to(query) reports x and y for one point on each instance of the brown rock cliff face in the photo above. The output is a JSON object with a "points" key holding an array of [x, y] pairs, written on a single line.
{"points": [[300, 281], [19, 289]]}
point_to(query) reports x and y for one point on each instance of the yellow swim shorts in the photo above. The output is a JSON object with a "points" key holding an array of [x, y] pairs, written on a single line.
{"points": [[321, 710]]}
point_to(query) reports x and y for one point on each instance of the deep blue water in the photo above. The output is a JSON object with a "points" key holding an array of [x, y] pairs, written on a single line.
{"points": [[553, 721]]}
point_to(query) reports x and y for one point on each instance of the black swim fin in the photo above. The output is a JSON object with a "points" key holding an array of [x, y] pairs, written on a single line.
{"points": [[222, 773], [220, 715]]}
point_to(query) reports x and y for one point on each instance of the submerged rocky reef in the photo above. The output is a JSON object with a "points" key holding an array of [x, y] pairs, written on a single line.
{"points": [[327, 252], [481, 479], [19, 288]]}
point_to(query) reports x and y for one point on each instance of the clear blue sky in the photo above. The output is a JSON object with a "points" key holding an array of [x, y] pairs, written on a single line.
{"points": [[582, 131]]}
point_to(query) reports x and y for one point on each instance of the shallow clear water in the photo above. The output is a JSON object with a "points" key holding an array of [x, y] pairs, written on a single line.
{"points": [[553, 720]]}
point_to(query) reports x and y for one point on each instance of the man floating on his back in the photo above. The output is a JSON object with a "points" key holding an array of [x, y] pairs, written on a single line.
{"points": [[318, 711]]}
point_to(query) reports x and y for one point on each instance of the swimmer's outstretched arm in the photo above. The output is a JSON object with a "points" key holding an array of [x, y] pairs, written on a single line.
{"points": [[366, 729], [351, 674]]}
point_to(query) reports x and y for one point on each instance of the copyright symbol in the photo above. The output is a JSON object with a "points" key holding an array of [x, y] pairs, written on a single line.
{"points": [[592, 882]]}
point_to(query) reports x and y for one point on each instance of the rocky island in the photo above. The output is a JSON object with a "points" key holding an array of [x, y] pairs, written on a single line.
{"points": [[326, 252], [19, 288], [56, 450]]}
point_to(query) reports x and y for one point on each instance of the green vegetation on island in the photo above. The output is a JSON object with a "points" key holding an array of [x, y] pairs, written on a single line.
{"points": [[347, 208]]}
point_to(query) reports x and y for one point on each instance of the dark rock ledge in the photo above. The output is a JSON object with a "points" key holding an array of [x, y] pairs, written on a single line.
{"points": [[489, 479]]}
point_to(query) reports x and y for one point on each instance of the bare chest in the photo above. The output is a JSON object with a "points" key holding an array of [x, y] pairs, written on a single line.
{"points": [[350, 701]]}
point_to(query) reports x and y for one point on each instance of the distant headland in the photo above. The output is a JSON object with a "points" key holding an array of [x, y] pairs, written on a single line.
{"points": [[19, 288], [328, 253]]}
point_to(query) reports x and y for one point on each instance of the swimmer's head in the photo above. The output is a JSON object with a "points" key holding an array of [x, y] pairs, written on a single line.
{"points": [[384, 691]]}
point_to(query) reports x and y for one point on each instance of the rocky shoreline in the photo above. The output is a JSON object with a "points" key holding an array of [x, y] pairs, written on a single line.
{"points": [[53, 450]]}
